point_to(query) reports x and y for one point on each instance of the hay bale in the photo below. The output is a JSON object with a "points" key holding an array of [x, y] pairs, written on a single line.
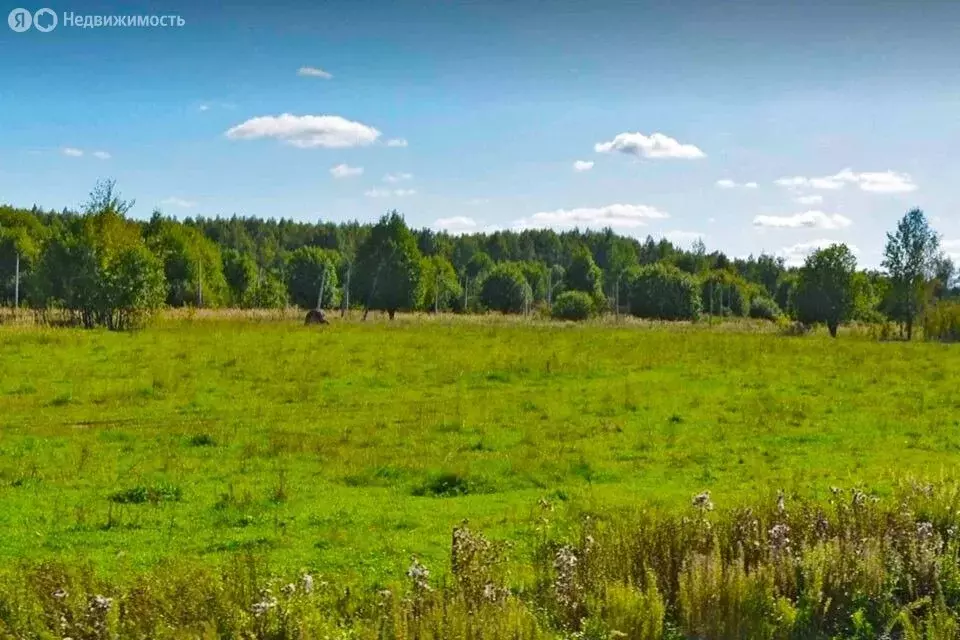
{"points": [[316, 316]]}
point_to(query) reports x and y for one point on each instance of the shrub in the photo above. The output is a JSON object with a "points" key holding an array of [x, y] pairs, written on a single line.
{"points": [[724, 293], [583, 274], [764, 308], [269, 293], [942, 322], [448, 484], [663, 292], [308, 268], [573, 305], [141, 494], [505, 289]]}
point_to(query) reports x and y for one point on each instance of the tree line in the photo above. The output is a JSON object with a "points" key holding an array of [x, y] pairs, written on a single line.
{"points": [[102, 268]]}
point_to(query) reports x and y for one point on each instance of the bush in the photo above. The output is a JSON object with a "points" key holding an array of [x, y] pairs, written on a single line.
{"points": [[942, 322], [505, 289], [724, 293], [573, 305], [269, 293], [663, 292], [764, 308]]}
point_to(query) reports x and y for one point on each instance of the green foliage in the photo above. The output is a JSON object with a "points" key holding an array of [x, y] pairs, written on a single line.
{"points": [[785, 293], [131, 288], [764, 308], [21, 236], [307, 268], [441, 287], [584, 275], [615, 255], [268, 292], [825, 289], [389, 270], [573, 305], [910, 258], [479, 265], [724, 293], [536, 275], [99, 269], [663, 292], [192, 264], [240, 273], [505, 289], [869, 290], [941, 321]]}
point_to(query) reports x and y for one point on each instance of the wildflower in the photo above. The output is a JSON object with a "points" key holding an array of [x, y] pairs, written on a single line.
{"points": [[419, 574], [493, 594], [288, 589], [858, 498], [702, 502], [307, 583], [60, 593], [821, 525], [924, 531], [100, 604], [565, 584], [261, 608], [781, 501], [779, 540]]}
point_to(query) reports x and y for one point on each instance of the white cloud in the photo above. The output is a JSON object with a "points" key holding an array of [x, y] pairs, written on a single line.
{"points": [[711, 220], [582, 165], [397, 142], [206, 106], [456, 224], [179, 202], [394, 178], [952, 249], [314, 72], [806, 220], [811, 199], [387, 193], [873, 181], [887, 182], [101, 155], [656, 145], [795, 255], [345, 171], [331, 132], [730, 184], [613, 215], [73, 153]]}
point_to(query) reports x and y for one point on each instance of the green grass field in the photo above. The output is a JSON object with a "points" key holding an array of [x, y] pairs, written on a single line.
{"points": [[346, 449]]}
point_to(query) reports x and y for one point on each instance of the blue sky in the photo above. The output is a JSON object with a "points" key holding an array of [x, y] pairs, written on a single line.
{"points": [[842, 114]]}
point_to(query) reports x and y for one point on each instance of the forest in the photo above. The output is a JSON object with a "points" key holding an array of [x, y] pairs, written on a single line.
{"points": [[100, 267]]}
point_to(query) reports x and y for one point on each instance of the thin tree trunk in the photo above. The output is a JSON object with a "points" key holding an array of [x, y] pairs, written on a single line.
{"points": [[16, 285]]}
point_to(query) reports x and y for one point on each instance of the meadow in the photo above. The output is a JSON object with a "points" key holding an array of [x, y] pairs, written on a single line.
{"points": [[344, 450]]}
